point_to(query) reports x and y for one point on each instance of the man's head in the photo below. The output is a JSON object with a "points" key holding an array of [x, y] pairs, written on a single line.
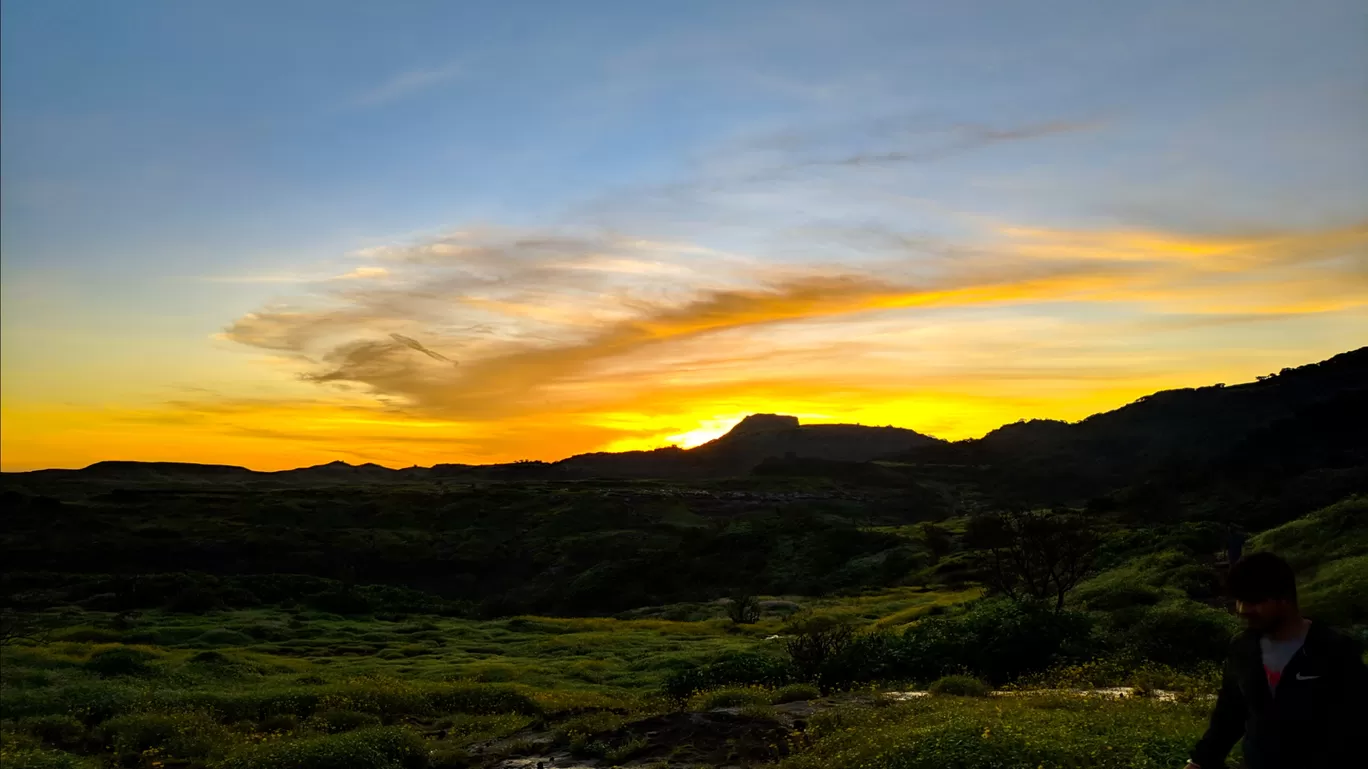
{"points": [[1265, 591]]}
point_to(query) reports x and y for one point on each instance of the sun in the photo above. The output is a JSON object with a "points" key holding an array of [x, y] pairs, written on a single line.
{"points": [[707, 430]]}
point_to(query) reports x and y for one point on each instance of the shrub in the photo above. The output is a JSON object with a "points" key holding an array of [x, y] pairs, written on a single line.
{"points": [[730, 697], [814, 643], [960, 686], [995, 640], [121, 661], [869, 657], [379, 748], [1109, 597], [796, 693], [736, 668], [744, 610], [58, 731], [1182, 634]]}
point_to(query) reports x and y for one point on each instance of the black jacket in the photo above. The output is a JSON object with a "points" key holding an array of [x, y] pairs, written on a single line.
{"points": [[1317, 718]]}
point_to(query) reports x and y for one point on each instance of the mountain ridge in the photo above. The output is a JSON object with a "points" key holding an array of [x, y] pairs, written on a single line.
{"points": [[1101, 451]]}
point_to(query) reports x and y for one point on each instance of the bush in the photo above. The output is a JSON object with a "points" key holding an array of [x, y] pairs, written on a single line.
{"points": [[796, 693], [814, 644], [338, 721], [1182, 635], [380, 748], [733, 669], [960, 686], [995, 640], [730, 697], [58, 731], [744, 610], [121, 661]]}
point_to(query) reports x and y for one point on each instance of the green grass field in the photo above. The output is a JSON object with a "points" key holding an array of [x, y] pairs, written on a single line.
{"points": [[166, 689], [679, 685]]}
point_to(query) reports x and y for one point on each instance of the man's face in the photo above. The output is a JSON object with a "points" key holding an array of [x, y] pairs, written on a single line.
{"points": [[1264, 615]]}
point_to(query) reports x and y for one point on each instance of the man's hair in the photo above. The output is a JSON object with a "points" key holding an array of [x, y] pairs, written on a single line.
{"points": [[1260, 577]]}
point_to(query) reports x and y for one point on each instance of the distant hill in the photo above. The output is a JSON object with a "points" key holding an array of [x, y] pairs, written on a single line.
{"points": [[752, 441], [1290, 440]]}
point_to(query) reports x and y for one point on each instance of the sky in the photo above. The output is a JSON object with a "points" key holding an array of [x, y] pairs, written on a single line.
{"points": [[276, 234]]}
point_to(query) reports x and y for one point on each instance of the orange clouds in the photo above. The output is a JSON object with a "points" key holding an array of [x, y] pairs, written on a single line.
{"points": [[540, 337], [501, 346]]}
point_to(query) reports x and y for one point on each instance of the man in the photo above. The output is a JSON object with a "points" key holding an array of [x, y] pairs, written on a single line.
{"points": [[1294, 689]]}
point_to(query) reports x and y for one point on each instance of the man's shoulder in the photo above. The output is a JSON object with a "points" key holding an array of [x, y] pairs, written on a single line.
{"points": [[1331, 640]]}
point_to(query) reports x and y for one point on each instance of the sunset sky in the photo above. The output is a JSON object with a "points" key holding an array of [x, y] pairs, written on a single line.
{"points": [[276, 234]]}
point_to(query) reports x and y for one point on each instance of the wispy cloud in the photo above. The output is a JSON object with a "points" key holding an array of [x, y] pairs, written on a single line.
{"points": [[363, 273], [591, 336], [406, 84], [536, 338]]}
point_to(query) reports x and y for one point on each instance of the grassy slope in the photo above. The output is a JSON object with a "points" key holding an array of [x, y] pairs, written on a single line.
{"points": [[268, 687], [1329, 550]]}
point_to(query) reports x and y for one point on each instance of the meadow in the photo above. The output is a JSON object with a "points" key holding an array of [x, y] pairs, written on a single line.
{"points": [[269, 687], [328, 670]]}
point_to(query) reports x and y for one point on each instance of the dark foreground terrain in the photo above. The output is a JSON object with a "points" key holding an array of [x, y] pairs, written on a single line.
{"points": [[768, 599]]}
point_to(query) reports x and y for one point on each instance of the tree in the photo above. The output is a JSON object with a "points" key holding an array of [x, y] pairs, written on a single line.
{"points": [[744, 610], [815, 642], [1036, 555]]}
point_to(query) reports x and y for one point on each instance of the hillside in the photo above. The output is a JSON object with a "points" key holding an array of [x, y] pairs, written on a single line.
{"points": [[1299, 433], [1268, 450]]}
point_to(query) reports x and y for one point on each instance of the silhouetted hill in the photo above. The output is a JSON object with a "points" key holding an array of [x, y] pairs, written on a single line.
{"points": [[1299, 432], [1304, 419]]}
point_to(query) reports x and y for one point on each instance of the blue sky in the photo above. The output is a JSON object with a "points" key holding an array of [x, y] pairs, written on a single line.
{"points": [[170, 167]]}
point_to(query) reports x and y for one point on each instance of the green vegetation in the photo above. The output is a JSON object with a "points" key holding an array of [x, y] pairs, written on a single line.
{"points": [[676, 629], [974, 733], [960, 686]]}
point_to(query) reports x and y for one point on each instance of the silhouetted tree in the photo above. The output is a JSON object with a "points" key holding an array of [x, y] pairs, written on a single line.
{"points": [[1035, 555]]}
